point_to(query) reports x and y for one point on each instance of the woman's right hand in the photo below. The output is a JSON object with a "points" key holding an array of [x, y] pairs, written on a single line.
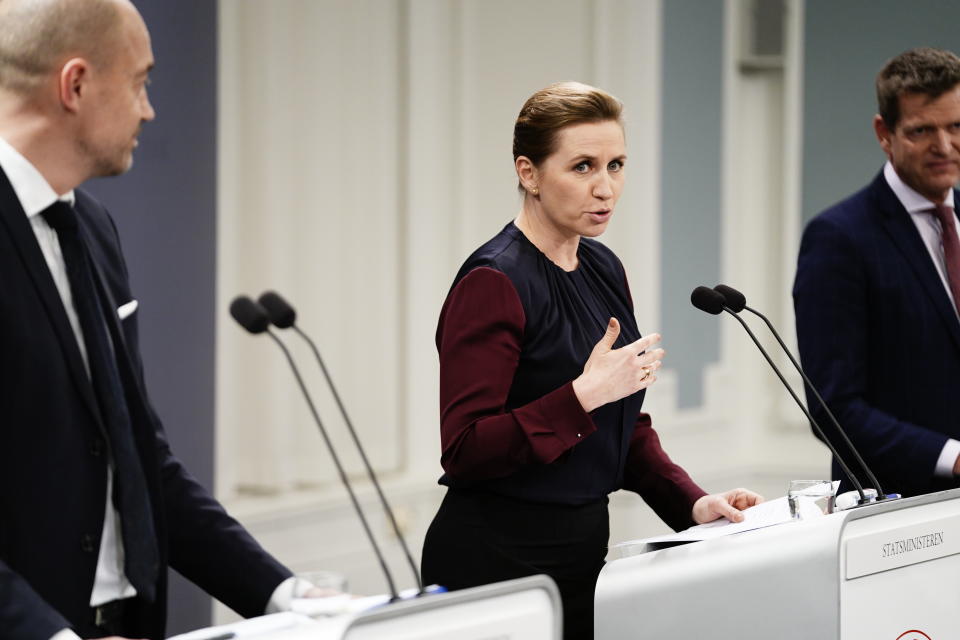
{"points": [[611, 374]]}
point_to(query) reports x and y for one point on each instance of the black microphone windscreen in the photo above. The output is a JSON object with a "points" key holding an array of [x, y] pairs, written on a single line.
{"points": [[279, 310], [706, 299], [735, 300], [249, 315]]}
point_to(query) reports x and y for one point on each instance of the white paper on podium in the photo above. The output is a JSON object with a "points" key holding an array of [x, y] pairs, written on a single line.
{"points": [[345, 603], [322, 617], [765, 514], [249, 628]]}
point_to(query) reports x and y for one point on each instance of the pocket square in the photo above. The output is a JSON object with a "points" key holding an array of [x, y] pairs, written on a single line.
{"points": [[124, 311]]}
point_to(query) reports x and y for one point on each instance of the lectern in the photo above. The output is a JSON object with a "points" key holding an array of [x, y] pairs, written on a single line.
{"points": [[522, 609], [885, 571]]}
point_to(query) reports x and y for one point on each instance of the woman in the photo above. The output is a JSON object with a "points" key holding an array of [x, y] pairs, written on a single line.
{"points": [[543, 372]]}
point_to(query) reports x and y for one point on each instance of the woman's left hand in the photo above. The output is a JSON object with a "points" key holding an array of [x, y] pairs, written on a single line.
{"points": [[724, 505]]}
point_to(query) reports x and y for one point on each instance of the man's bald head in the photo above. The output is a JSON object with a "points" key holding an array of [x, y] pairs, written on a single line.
{"points": [[38, 36]]}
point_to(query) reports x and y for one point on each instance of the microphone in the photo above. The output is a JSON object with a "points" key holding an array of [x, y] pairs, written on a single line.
{"points": [[737, 303], [707, 300], [249, 315], [283, 316], [713, 302], [254, 318]]}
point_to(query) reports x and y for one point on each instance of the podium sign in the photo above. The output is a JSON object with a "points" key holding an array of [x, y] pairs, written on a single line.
{"points": [[902, 574]]}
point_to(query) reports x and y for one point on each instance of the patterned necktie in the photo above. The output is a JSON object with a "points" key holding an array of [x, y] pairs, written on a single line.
{"points": [[141, 557], [951, 248]]}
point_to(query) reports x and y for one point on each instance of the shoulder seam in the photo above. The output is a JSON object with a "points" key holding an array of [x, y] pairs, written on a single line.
{"points": [[513, 287]]}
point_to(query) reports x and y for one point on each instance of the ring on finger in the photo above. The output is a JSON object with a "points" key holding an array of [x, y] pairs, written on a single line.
{"points": [[646, 372]]}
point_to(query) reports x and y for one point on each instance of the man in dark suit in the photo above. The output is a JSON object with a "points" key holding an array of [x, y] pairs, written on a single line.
{"points": [[877, 292], [93, 504]]}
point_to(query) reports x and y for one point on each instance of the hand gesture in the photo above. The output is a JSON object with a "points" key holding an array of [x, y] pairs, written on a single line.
{"points": [[724, 505], [611, 374]]}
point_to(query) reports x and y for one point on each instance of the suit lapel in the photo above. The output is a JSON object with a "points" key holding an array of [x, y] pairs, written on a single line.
{"points": [[13, 218], [898, 225]]}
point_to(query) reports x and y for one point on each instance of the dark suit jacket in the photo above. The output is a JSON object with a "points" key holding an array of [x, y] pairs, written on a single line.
{"points": [[53, 458], [879, 337]]}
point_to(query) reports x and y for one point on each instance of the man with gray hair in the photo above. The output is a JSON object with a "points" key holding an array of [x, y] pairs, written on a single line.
{"points": [[877, 292], [93, 505]]}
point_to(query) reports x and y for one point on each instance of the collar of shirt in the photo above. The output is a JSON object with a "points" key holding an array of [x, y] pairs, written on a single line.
{"points": [[32, 189], [912, 201]]}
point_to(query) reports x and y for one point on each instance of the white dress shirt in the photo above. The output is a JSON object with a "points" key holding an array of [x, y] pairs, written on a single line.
{"points": [[929, 227]]}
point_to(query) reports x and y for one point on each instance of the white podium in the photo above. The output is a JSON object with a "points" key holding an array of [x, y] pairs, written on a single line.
{"points": [[523, 609], [886, 571]]}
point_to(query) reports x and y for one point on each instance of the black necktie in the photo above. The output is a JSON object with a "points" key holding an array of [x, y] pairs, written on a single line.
{"points": [[141, 558]]}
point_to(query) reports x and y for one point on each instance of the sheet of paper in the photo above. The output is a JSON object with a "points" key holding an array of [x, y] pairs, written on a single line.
{"points": [[337, 605], [765, 514], [249, 628], [346, 603]]}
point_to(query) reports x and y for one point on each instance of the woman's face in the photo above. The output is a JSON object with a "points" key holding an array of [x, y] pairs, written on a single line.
{"points": [[581, 181]]}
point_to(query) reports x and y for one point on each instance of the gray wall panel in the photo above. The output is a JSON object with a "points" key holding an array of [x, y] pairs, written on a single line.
{"points": [[691, 152], [846, 44]]}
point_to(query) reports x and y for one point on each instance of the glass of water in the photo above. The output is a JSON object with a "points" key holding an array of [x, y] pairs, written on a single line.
{"points": [[808, 496]]}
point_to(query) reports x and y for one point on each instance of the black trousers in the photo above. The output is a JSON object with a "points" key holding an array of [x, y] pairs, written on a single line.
{"points": [[477, 538]]}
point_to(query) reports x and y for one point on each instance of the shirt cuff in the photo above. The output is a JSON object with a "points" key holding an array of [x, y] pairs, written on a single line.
{"points": [[574, 424], [948, 458], [65, 634], [558, 422], [283, 596]]}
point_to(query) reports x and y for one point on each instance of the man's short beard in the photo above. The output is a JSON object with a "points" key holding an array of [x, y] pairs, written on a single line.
{"points": [[101, 166]]}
